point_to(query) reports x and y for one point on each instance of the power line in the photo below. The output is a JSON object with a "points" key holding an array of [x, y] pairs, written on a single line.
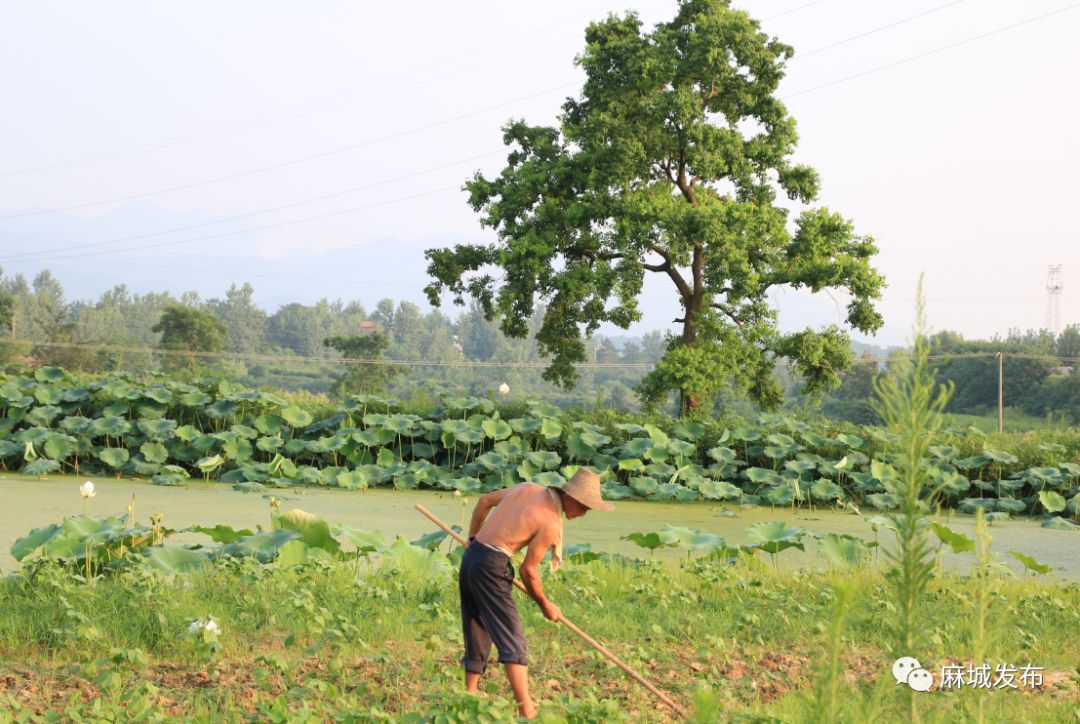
{"points": [[244, 231], [935, 51], [809, 90], [324, 197], [291, 162], [845, 41], [242, 123], [325, 360], [792, 10]]}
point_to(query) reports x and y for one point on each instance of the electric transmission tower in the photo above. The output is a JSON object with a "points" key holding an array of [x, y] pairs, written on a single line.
{"points": [[1054, 285]]}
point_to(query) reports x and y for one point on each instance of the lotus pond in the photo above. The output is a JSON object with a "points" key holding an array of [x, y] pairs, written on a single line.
{"points": [[32, 503]]}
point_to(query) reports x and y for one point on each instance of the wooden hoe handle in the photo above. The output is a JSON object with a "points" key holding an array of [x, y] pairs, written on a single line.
{"points": [[563, 620]]}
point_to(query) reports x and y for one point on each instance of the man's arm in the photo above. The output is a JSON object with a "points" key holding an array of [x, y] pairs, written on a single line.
{"points": [[530, 571], [483, 506]]}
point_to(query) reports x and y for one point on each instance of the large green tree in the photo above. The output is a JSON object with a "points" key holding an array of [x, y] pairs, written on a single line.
{"points": [[187, 329], [671, 162], [370, 377]]}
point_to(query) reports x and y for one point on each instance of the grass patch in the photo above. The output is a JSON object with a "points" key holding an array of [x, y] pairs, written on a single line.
{"points": [[322, 642]]}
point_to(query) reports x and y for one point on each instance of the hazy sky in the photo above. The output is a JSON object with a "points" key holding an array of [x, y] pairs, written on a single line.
{"points": [[962, 163]]}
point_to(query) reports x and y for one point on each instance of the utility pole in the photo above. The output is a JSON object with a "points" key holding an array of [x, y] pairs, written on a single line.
{"points": [[1001, 390], [1054, 285]]}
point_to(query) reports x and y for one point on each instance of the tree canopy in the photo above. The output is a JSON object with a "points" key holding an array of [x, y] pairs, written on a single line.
{"points": [[671, 162], [190, 330], [359, 377]]}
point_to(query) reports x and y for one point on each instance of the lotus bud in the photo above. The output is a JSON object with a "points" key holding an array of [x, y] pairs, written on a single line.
{"points": [[504, 389], [457, 493], [87, 489], [842, 464]]}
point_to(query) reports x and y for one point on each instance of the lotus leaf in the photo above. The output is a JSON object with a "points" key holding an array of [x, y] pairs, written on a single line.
{"points": [[880, 521], [466, 485], [549, 479], [851, 441], [1030, 563], [1051, 501], [643, 486], [614, 491], [114, 457], [745, 434], [631, 464], [999, 456], [718, 490], [352, 480], [48, 395], [826, 490], [295, 416], [524, 425], [1058, 523], [222, 533], [111, 426], [970, 505], [422, 563], [578, 449], [775, 536], [779, 495], [671, 491], [49, 374], [263, 546], [362, 540], [652, 541], [295, 446], [492, 461], [313, 530], [630, 428], [550, 428], [141, 466], [60, 447], [210, 463], [195, 399], [544, 459], [883, 501], [497, 429], [168, 479], [761, 475], [995, 516], [843, 550], [722, 454], [1011, 505], [24, 546], [543, 410], [958, 542]]}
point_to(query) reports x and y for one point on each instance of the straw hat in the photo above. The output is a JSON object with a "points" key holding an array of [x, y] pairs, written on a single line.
{"points": [[584, 487]]}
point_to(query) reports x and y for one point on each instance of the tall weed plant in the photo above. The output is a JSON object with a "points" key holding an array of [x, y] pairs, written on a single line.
{"points": [[911, 405]]}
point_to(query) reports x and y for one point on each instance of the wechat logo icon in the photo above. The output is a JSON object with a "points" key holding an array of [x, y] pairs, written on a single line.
{"points": [[907, 670]]}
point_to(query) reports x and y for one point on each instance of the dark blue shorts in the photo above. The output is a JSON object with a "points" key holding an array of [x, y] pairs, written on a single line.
{"points": [[488, 612]]}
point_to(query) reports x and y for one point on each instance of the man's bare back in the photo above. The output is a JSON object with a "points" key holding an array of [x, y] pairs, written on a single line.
{"points": [[524, 513]]}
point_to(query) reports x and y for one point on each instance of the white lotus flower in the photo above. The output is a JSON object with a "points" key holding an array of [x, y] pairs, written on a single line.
{"points": [[842, 464], [87, 489], [504, 389], [199, 625]]}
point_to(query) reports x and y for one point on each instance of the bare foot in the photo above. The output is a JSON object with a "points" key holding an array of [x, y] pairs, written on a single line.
{"points": [[527, 712]]}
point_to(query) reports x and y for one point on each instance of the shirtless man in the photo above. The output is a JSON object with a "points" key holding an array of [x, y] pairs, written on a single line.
{"points": [[524, 515]]}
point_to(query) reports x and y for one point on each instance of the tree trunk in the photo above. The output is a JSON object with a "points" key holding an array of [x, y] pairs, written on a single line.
{"points": [[688, 401]]}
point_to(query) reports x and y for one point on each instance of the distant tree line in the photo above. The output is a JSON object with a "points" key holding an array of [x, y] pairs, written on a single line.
{"points": [[1039, 372], [50, 329]]}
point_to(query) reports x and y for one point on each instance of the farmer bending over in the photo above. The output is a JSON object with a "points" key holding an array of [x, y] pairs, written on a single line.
{"points": [[524, 515]]}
